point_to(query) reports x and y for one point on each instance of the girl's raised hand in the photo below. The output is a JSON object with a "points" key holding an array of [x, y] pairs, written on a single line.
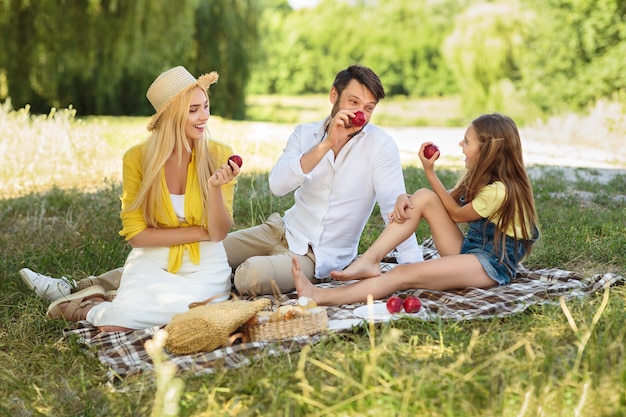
{"points": [[225, 174], [428, 162]]}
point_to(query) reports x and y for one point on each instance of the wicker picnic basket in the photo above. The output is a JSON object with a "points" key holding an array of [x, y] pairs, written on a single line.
{"points": [[208, 325], [307, 325]]}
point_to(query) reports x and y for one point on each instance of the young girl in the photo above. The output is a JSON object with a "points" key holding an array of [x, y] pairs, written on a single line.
{"points": [[494, 197], [176, 209]]}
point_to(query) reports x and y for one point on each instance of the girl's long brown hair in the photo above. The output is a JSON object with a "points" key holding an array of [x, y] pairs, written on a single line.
{"points": [[500, 159]]}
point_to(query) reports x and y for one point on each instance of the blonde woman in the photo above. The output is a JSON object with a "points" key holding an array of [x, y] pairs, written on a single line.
{"points": [[176, 209]]}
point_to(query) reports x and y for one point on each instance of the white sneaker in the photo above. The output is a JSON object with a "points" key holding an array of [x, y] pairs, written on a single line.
{"points": [[46, 287]]}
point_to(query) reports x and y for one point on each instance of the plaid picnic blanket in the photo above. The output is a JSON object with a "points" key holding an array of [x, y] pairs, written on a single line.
{"points": [[124, 352]]}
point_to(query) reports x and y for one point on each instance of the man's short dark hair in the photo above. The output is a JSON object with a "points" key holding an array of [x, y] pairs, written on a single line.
{"points": [[362, 74]]}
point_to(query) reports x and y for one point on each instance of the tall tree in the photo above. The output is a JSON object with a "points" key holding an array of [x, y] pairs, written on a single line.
{"points": [[18, 45], [227, 41], [266, 73], [101, 55]]}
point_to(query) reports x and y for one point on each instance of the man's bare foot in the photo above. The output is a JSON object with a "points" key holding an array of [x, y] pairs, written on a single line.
{"points": [[359, 269], [304, 287]]}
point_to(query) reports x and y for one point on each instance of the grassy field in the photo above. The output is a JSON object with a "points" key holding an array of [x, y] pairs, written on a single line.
{"points": [[59, 203]]}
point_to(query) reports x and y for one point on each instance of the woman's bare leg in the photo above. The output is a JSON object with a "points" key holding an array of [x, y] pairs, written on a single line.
{"points": [[452, 272], [105, 329], [427, 205]]}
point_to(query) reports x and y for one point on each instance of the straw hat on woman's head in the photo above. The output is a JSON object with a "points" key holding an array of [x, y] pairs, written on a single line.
{"points": [[170, 85]]}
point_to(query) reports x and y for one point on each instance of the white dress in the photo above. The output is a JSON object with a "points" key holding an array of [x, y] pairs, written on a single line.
{"points": [[150, 296]]}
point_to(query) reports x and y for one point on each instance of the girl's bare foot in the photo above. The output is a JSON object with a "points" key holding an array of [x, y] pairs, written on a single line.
{"points": [[304, 287], [359, 269]]}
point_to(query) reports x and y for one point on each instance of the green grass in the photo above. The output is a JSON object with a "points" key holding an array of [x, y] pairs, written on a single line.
{"points": [[551, 360]]}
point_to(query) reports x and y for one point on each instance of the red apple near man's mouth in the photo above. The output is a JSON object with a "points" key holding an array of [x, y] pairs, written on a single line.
{"points": [[395, 304], [236, 159], [430, 150], [359, 118]]}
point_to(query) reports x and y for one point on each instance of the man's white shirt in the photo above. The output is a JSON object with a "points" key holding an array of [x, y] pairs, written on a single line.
{"points": [[335, 200]]}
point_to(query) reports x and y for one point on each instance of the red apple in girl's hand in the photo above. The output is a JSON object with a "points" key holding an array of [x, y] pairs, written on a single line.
{"points": [[430, 150], [412, 304], [359, 118], [394, 304], [236, 159]]}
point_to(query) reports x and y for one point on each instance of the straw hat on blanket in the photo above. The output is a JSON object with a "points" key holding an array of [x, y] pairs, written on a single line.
{"points": [[207, 326]]}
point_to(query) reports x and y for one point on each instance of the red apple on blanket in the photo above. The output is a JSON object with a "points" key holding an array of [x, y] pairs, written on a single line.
{"points": [[430, 150], [412, 304], [236, 159], [394, 304], [359, 118]]}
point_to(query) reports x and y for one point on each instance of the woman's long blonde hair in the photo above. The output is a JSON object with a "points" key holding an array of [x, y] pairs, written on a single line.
{"points": [[169, 137], [500, 159]]}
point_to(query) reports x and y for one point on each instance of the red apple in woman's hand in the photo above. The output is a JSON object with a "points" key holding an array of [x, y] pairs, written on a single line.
{"points": [[394, 304], [412, 304], [430, 150], [236, 159], [359, 118]]}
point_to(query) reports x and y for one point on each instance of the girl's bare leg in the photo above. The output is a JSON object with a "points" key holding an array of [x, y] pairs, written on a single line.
{"points": [[426, 204], [346, 294], [368, 264], [452, 272]]}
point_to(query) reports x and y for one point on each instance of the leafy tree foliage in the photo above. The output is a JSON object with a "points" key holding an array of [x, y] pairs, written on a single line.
{"points": [[101, 55], [515, 56], [539, 57], [399, 39], [575, 53], [483, 52], [226, 40], [406, 48], [268, 70]]}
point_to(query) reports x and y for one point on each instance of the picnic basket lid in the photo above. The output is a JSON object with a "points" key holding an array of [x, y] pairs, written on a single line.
{"points": [[285, 329]]}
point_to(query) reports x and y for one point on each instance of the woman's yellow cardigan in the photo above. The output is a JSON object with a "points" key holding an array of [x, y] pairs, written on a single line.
{"points": [[133, 222]]}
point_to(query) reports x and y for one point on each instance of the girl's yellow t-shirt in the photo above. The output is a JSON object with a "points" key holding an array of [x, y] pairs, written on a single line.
{"points": [[488, 201]]}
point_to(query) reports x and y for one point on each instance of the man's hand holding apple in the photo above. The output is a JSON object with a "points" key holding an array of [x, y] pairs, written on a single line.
{"points": [[342, 128]]}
